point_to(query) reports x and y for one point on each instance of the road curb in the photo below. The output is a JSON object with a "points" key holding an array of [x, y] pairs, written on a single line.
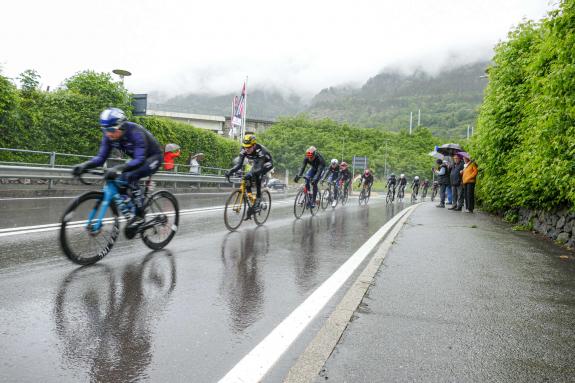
{"points": [[312, 360]]}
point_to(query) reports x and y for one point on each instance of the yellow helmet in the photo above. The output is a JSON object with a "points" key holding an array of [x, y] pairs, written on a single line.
{"points": [[249, 140]]}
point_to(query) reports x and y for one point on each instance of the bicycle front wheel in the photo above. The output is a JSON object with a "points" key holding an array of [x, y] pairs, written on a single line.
{"points": [[87, 240], [162, 220], [325, 199], [263, 212], [299, 204], [344, 198], [235, 210]]}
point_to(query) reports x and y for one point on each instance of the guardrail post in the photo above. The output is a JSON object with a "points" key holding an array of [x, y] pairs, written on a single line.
{"points": [[52, 165]]}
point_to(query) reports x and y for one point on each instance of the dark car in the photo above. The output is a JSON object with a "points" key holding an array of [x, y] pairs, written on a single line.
{"points": [[275, 184]]}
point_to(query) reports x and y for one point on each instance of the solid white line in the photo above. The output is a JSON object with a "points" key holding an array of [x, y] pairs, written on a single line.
{"points": [[255, 365], [56, 226]]}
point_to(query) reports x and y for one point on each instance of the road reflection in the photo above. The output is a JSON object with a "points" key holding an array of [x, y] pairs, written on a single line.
{"points": [[104, 316], [241, 284], [304, 251]]}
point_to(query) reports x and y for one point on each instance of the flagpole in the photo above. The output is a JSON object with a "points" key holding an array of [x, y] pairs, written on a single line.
{"points": [[245, 110]]}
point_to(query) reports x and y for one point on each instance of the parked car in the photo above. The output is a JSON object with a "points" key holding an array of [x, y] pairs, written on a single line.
{"points": [[275, 184]]}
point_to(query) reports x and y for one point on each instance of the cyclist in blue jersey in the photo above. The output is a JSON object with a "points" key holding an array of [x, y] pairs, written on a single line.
{"points": [[136, 142], [333, 172]]}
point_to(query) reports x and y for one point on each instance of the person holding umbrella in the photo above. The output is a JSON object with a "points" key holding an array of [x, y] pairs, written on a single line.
{"points": [[443, 180], [456, 185], [171, 152], [194, 162]]}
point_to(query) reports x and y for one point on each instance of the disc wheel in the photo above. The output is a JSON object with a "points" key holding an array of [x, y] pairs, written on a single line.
{"points": [[234, 211], [162, 220], [263, 212], [80, 241]]}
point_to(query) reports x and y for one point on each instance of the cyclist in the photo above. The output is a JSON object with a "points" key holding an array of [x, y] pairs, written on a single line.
{"points": [[366, 180], [333, 173], [402, 183], [415, 185], [136, 142], [317, 163], [261, 164], [344, 177], [425, 186], [391, 182]]}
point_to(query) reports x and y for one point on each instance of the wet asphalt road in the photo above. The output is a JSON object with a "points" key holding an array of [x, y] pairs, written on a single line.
{"points": [[186, 314]]}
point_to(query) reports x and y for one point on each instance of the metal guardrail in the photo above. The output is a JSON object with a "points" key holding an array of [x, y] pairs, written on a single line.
{"points": [[7, 171]]}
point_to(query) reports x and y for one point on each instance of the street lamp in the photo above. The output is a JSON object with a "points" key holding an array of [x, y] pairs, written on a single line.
{"points": [[122, 73]]}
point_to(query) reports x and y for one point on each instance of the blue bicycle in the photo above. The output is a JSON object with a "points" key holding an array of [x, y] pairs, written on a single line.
{"points": [[86, 241]]}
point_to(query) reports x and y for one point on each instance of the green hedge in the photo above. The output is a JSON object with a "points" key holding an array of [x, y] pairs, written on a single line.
{"points": [[66, 121], [525, 141]]}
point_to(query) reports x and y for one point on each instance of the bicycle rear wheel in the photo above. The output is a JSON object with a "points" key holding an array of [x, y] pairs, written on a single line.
{"points": [[80, 241], [262, 213], [344, 197], [433, 195], [299, 204], [162, 220], [234, 211]]}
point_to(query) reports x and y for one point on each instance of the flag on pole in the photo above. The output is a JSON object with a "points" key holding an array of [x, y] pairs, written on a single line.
{"points": [[239, 107], [233, 129]]}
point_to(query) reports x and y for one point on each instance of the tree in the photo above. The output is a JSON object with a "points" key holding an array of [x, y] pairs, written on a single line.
{"points": [[101, 87], [29, 81]]}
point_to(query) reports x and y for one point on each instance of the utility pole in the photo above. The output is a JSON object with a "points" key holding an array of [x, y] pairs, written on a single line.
{"points": [[472, 130], [468, 127], [385, 161], [410, 121], [419, 118]]}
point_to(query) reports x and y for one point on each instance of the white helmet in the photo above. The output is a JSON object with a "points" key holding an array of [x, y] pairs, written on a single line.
{"points": [[402, 176], [416, 178], [334, 162]]}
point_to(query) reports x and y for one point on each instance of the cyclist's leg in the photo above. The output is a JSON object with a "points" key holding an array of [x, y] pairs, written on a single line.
{"points": [[132, 178], [311, 174]]}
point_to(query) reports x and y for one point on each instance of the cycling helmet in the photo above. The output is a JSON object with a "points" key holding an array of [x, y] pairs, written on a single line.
{"points": [[438, 161], [343, 165], [334, 162], [112, 118], [416, 178], [392, 175], [367, 172], [249, 140], [402, 176], [310, 153]]}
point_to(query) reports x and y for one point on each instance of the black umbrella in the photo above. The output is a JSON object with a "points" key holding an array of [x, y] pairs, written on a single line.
{"points": [[449, 149]]}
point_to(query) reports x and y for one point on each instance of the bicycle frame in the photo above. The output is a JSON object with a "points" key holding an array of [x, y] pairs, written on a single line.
{"points": [[111, 190]]}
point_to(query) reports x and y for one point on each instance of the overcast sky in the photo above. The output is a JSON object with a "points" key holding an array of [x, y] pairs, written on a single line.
{"points": [[211, 45]]}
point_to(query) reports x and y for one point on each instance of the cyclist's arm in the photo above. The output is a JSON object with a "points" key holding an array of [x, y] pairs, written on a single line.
{"points": [[305, 162], [240, 163], [103, 153]]}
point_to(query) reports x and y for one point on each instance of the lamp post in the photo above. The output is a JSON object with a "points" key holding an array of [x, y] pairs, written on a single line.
{"points": [[122, 73]]}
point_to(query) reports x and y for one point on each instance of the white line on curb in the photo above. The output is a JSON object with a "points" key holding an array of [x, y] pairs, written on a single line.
{"points": [[255, 365]]}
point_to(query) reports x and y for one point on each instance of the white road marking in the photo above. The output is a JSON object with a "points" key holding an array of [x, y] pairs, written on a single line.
{"points": [[256, 364]]}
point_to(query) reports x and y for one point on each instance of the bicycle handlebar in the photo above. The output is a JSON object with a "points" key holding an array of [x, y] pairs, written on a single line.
{"points": [[95, 172]]}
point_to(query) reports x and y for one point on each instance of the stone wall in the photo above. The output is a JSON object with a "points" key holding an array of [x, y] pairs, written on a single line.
{"points": [[557, 225]]}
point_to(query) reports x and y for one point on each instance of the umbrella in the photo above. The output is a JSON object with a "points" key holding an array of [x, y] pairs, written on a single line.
{"points": [[434, 154], [449, 149], [464, 155], [199, 156], [172, 148]]}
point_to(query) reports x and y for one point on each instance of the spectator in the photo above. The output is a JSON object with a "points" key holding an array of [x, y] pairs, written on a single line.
{"points": [[469, 178], [456, 185], [194, 162], [443, 180], [171, 152]]}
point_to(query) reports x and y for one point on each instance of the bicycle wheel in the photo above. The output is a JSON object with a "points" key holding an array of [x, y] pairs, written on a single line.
{"points": [[80, 242], [262, 213], [162, 220], [299, 204], [433, 195], [325, 198], [413, 197], [361, 197], [235, 210], [344, 198], [317, 205]]}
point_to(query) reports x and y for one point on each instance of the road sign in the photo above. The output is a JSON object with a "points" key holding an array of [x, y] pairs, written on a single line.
{"points": [[359, 162]]}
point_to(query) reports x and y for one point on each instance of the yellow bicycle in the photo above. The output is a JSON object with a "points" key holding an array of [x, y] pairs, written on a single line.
{"points": [[240, 206]]}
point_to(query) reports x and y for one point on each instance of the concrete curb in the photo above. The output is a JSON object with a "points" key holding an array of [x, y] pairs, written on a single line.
{"points": [[312, 360]]}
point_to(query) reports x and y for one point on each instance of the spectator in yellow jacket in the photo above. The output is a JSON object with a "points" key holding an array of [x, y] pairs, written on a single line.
{"points": [[469, 177]]}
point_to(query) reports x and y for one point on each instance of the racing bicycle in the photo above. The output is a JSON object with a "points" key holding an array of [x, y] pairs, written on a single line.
{"points": [[241, 206]]}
